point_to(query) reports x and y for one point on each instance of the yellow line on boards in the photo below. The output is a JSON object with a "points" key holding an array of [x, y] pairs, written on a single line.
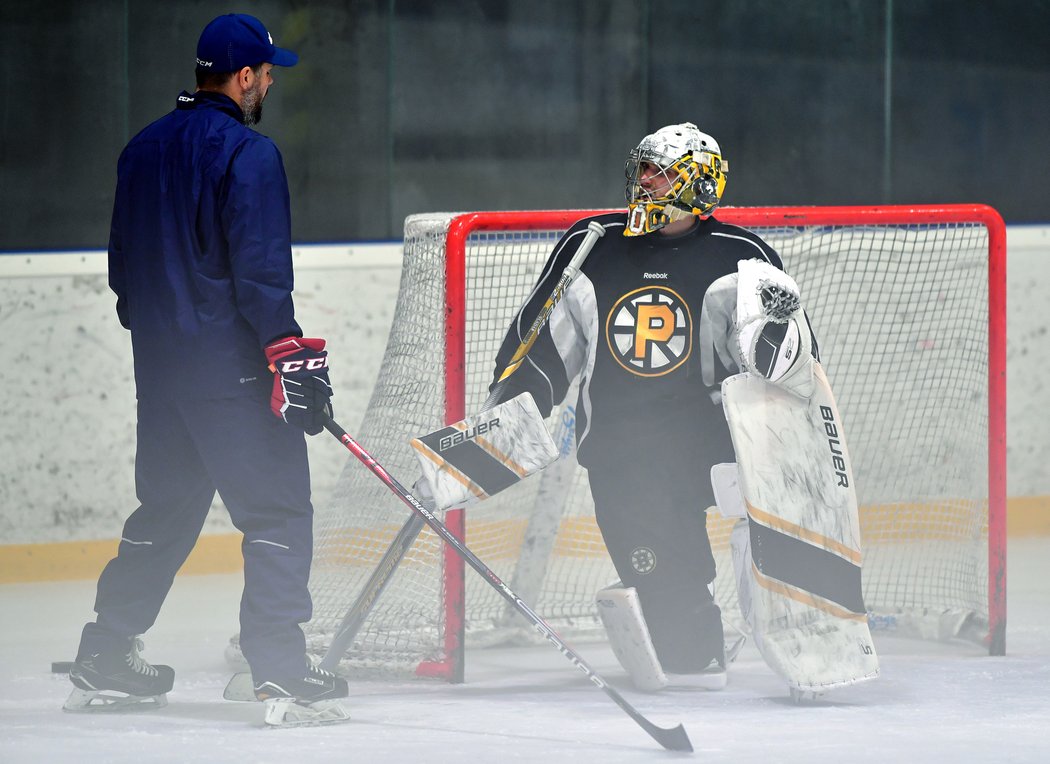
{"points": [[70, 560], [1028, 516]]}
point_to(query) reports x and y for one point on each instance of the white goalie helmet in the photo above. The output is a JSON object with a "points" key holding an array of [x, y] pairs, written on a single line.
{"points": [[693, 172]]}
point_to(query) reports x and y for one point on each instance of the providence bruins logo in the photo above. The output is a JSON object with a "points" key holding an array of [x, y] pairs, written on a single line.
{"points": [[650, 331]]}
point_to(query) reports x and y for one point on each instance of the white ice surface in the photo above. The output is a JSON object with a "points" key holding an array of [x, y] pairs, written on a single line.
{"points": [[933, 702]]}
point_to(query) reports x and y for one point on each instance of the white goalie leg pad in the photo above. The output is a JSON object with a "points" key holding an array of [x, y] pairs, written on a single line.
{"points": [[624, 622], [484, 454], [725, 484], [799, 567], [740, 551], [621, 614]]}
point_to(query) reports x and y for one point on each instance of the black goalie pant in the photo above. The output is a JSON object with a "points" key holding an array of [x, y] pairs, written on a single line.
{"points": [[651, 515]]}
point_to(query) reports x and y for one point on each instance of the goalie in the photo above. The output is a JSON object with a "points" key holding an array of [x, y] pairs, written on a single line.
{"points": [[650, 424], [648, 429]]}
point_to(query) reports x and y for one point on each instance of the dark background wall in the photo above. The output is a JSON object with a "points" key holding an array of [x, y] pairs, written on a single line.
{"points": [[402, 106]]}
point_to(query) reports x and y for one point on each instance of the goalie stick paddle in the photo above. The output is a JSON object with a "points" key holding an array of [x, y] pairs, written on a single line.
{"points": [[405, 537], [673, 739]]}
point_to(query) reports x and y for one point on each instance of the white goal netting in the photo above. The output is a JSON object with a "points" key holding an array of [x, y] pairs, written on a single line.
{"points": [[901, 311]]}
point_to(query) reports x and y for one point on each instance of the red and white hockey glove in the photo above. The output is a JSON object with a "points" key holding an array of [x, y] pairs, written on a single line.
{"points": [[301, 393]]}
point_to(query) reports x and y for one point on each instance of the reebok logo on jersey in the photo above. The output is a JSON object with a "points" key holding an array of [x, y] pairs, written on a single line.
{"points": [[654, 275], [649, 331]]}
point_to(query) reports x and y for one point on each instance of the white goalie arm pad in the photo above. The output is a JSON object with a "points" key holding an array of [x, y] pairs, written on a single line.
{"points": [[717, 332], [773, 335]]}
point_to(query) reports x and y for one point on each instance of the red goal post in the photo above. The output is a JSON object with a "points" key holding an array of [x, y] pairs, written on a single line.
{"points": [[893, 294]]}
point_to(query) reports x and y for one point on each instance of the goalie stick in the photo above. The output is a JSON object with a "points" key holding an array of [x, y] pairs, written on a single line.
{"points": [[673, 739], [405, 537]]}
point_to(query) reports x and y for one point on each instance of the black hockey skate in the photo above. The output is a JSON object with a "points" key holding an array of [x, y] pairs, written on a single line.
{"points": [[315, 698], [711, 677], [117, 678]]}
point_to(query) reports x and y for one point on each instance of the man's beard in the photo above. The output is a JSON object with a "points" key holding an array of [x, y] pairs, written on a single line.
{"points": [[251, 105]]}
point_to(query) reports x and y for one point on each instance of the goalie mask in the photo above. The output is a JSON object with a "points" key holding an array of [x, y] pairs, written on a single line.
{"points": [[675, 172]]}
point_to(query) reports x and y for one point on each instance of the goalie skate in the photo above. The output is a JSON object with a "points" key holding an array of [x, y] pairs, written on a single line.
{"points": [[118, 679]]}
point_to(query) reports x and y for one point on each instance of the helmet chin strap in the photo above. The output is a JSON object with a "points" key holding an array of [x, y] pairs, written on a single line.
{"points": [[674, 214]]}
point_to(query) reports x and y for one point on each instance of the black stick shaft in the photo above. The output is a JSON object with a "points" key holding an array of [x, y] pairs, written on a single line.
{"points": [[372, 590], [674, 739]]}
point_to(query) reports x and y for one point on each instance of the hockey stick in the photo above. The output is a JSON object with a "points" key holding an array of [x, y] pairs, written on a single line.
{"points": [[673, 739], [405, 537], [595, 230]]}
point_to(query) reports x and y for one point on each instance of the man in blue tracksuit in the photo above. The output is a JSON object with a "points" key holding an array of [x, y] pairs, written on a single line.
{"points": [[200, 261]]}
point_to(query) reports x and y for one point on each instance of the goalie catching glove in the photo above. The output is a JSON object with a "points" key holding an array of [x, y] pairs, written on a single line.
{"points": [[301, 393], [773, 335], [753, 320]]}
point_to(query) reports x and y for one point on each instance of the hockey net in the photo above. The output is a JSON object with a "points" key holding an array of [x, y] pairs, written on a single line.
{"points": [[909, 308]]}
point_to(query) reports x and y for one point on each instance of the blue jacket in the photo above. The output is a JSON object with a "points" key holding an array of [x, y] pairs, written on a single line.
{"points": [[200, 251]]}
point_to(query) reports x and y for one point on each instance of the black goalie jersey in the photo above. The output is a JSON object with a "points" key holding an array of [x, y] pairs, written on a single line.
{"points": [[627, 327]]}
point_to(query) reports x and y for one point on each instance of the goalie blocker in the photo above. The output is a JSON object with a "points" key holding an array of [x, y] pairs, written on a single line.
{"points": [[797, 553], [486, 453]]}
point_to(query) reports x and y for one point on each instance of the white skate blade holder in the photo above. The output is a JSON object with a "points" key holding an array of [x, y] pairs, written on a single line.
{"points": [[109, 701], [286, 712]]}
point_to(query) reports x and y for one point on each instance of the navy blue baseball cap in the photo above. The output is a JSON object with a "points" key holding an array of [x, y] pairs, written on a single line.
{"points": [[236, 40]]}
